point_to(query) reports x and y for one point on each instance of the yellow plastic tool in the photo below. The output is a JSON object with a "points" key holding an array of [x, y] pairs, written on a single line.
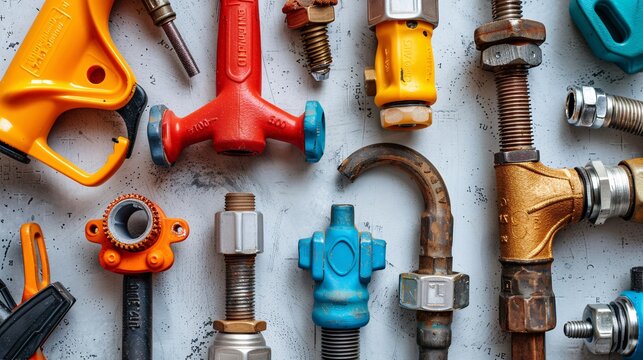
{"points": [[67, 61], [405, 74]]}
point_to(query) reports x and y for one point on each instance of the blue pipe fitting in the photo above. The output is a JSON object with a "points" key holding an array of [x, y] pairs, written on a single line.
{"points": [[636, 298], [611, 28], [341, 262]]}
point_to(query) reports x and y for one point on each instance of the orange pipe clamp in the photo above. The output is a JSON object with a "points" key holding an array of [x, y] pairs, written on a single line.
{"points": [[126, 252], [67, 61]]}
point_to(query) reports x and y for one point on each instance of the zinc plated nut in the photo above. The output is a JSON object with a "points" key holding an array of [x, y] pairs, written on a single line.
{"points": [[506, 55], [380, 11], [601, 317], [310, 15], [426, 292], [586, 106], [508, 31], [231, 346], [239, 232]]}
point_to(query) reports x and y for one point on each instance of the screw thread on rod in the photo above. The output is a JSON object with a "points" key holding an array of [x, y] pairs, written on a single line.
{"points": [[317, 46], [627, 115], [240, 287], [507, 9], [239, 202], [578, 329], [340, 344], [514, 107]]}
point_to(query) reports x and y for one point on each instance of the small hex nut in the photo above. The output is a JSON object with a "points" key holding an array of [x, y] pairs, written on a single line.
{"points": [[434, 292], [586, 106], [310, 15], [601, 317], [380, 11], [510, 31], [238, 232], [506, 55]]}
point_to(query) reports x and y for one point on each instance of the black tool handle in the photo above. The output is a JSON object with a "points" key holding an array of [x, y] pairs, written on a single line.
{"points": [[137, 317]]}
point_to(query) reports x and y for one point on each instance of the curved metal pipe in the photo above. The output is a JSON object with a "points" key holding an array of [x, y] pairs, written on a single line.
{"points": [[436, 232]]}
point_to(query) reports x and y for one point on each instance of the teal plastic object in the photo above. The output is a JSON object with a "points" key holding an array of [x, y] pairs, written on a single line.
{"points": [[637, 300], [613, 29], [341, 263]]}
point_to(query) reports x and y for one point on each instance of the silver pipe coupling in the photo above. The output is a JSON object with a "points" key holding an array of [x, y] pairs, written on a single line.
{"points": [[607, 191]]}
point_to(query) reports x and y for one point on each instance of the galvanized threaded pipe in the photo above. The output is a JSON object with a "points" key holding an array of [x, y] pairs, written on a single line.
{"points": [[514, 107], [340, 344], [240, 269]]}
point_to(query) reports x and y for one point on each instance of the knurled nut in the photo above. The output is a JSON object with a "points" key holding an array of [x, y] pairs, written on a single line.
{"points": [[151, 237]]}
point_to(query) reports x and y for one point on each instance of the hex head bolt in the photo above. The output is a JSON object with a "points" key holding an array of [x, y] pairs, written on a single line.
{"points": [[238, 120], [311, 18], [614, 327], [587, 106], [417, 290], [239, 237], [341, 261]]}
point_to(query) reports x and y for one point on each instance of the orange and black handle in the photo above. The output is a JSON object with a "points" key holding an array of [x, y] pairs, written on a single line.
{"points": [[25, 327]]}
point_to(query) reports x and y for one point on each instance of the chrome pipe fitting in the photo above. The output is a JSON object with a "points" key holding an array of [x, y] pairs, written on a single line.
{"points": [[607, 191]]}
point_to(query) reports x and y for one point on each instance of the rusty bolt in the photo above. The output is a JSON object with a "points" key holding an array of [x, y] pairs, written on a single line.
{"points": [[504, 55], [510, 31], [317, 13]]}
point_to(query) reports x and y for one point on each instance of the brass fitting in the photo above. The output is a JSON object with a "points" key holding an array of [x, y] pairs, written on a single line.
{"points": [[311, 18]]}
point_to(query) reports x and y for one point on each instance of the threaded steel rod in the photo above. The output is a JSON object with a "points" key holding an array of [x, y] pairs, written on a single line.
{"points": [[578, 329], [240, 287], [514, 107], [340, 344], [507, 9], [317, 46]]}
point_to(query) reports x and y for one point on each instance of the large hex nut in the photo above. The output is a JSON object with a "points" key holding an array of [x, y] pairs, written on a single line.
{"points": [[504, 55], [434, 292], [230, 346], [602, 319], [238, 232], [310, 15], [586, 106], [380, 11], [510, 31], [601, 191]]}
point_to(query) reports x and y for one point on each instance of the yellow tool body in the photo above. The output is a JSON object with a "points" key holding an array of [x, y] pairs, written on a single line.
{"points": [[67, 61]]}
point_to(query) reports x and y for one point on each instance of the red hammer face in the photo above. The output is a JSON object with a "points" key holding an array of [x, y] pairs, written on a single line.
{"points": [[238, 120]]}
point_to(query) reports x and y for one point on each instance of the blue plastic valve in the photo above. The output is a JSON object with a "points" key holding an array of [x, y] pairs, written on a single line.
{"points": [[341, 262], [611, 30]]}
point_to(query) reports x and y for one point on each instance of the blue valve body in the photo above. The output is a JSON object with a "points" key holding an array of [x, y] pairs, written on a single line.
{"points": [[637, 300], [611, 28], [341, 263]]}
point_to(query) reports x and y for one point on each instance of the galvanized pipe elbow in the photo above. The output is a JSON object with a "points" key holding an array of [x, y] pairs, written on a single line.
{"points": [[434, 312]]}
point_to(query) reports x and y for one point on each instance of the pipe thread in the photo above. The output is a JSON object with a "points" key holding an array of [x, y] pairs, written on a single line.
{"points": [[514, 107], [507, 9], [317, 46], [578, 329], [627, 115], [340, 344], [239, 202], [240, 287]]}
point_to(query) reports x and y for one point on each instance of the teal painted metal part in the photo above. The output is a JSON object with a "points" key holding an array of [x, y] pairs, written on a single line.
{"points": [[613, 29], [341, 262], [637, 300]]}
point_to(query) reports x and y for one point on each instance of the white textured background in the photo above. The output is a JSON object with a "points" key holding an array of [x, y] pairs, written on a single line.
{"points": [[591, 264]]}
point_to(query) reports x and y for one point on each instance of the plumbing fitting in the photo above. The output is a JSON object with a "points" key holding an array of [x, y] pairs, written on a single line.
{"points": [[67, 61], [341, 261], [24, 328], [239, 237], [611, 28], [591, 107], [163, 15], [434, 290], [135, 237], [403, 79], [311, 18], [614, 327], [238, 120]]}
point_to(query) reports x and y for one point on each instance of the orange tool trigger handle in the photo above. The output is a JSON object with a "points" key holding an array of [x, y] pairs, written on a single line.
{"points": [[36, 263]]}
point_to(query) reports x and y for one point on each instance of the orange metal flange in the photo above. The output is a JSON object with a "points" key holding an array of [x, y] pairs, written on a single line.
{"points": [[131, 252]]}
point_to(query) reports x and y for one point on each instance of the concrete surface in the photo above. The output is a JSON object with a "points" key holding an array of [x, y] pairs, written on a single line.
{"points": [[592, 263]]}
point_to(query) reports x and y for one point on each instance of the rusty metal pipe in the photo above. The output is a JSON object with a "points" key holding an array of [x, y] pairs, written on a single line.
{"points": [[436, 232]]}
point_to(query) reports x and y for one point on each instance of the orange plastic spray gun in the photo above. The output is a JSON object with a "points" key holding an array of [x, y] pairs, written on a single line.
{"points": [[67, 61]]}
